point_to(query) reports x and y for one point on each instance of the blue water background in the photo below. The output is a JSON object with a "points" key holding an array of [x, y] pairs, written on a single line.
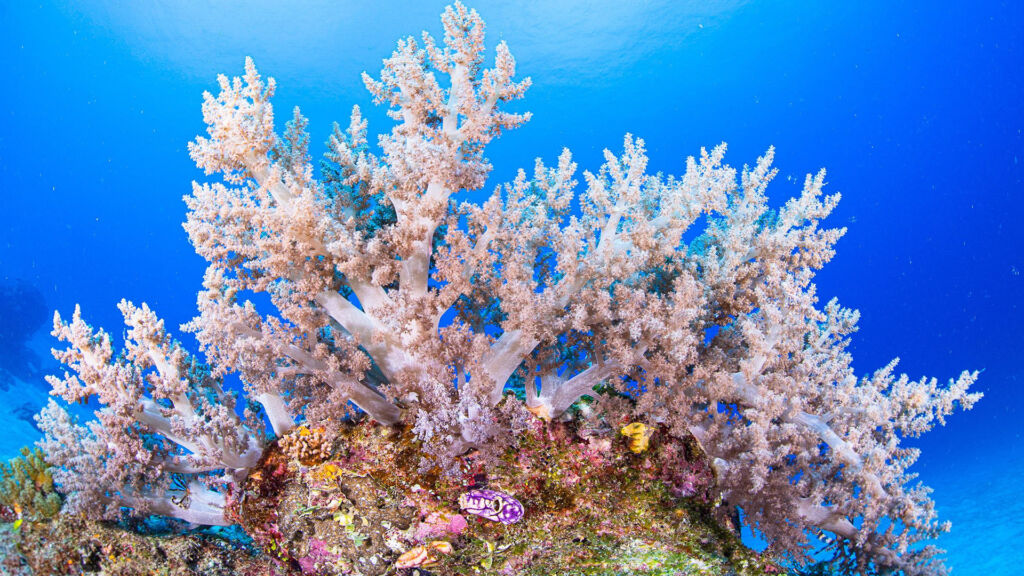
{"points": [[915, 108]]}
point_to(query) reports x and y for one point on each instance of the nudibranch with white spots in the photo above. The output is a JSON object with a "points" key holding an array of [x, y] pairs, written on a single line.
{"points": [[493, 505]]}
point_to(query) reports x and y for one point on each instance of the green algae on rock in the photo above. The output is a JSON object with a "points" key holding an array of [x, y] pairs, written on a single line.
{"points": [[26, 487]]}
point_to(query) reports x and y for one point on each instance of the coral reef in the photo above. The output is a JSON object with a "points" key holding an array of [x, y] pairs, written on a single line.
{"points": [[669, 316], [592, 506], [71, 545]]}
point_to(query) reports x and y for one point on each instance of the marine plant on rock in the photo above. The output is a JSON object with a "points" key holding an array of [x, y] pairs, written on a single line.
{"points": [[638, 305], [26, 488]]}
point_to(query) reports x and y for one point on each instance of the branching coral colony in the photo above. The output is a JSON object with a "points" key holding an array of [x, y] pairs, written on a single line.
{"points": [[383, 285]]}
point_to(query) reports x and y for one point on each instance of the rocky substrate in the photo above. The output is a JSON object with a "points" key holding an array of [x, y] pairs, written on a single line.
{"points": [[70, 545], [592, 502], [568, 500]]}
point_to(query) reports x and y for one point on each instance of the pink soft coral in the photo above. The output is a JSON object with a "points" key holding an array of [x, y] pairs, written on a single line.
{"points": [[607, 290]]}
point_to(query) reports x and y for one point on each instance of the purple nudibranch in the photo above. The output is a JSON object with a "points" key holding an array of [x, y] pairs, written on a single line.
{"points": [[492, 505]]}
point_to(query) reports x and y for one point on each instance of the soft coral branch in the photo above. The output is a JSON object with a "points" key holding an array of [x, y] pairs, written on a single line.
{"points": [[434, 151], [154, 394]]}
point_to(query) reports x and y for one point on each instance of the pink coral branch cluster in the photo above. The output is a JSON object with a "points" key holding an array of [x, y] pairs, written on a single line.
{"points": [[163, 414], [605, 291]]}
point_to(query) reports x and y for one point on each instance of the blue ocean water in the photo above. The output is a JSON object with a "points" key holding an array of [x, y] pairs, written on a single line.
{"points": [[915, 108]]}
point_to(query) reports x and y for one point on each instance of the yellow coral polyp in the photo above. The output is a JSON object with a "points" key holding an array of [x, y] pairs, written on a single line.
{"points": [[327, 472], [639, 436]]}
